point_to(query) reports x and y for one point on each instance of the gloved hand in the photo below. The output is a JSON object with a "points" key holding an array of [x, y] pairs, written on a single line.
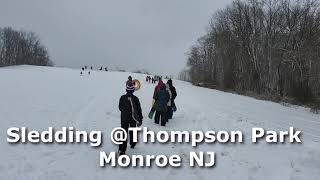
{"points": [[139, 123], [153, 102]]}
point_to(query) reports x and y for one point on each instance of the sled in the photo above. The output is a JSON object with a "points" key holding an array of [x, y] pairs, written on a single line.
{"points": [[153, 110], [137, 84], [151, 113]]}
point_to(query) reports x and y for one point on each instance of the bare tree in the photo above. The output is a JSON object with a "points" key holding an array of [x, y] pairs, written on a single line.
{"points": [[19, 47], [270, 47]]}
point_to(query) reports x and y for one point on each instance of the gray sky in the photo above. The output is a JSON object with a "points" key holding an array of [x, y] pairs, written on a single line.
{"points": [[131, 34]]}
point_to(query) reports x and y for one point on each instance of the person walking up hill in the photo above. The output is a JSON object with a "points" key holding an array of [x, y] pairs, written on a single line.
{"points": [[131, 115], [157, 88], [169, 104], [173, 97], [161, 98]]}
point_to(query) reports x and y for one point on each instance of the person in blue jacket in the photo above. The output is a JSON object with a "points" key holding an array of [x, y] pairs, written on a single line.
{"points": [[161, 98]]}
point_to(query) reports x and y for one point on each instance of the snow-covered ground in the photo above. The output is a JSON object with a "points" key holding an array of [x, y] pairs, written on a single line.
{"points": [[39, 97]]}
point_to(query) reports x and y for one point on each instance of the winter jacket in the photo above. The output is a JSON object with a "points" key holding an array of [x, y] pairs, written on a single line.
{"points": [[173, 90], [174, 93], [157, 88], [170, 95], [130, 114], [162, 97]]}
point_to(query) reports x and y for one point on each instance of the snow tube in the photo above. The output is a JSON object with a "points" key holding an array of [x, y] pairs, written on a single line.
{"points": [[137, 84]]}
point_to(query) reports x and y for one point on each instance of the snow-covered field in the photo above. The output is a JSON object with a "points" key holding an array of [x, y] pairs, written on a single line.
{"points": [[39, 97]]}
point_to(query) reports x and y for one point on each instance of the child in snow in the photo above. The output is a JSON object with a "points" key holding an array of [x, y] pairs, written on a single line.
{"points": [[131, 115]]}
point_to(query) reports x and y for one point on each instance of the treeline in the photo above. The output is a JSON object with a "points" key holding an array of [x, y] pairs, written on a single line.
{"points": [[266, 47], [20, 47]]}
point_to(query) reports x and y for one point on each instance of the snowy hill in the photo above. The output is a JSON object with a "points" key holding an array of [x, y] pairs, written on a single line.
{"points": [[39, 97]]}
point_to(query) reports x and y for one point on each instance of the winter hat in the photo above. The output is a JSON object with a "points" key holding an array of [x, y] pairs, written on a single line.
{"points": [[130, 87], [160, 82], [163, 86]]}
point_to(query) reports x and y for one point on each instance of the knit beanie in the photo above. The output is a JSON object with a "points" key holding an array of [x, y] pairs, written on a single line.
{"points": [[130, 87]]}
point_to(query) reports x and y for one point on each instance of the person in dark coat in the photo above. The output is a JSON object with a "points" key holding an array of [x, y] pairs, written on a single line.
{"points": [[169, 105], [131, 115], [173, 97], [161, 98], [157, 88]]}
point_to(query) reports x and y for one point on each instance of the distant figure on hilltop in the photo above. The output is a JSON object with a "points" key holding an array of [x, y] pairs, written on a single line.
{"points": [[148, 79]]}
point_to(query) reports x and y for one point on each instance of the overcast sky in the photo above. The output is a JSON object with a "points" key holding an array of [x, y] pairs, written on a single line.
{"points": [[131, 34]]}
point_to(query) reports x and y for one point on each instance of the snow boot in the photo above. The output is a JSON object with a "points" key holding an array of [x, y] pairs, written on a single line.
{"points": [[120, 153]]}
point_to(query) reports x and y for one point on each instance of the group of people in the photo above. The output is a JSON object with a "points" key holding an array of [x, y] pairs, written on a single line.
{"points": [[131, 113], [106, 69], [91, 68], [85, 68], [153, 79], [164, 101]]}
